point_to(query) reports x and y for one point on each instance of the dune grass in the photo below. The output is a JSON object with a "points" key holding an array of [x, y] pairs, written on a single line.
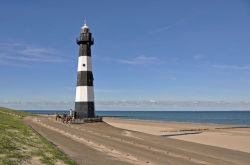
{"points": [[15, 112], [20, 144]]}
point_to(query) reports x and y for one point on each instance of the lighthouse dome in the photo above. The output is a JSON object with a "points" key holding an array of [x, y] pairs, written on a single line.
{"points": [[85, 28]]}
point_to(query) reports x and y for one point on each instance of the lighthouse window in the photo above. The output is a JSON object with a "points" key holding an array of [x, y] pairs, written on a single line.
{"points": [[83, 64]]}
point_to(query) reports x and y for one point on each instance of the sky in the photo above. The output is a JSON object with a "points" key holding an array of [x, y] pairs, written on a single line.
{"points": [[148, 55]]}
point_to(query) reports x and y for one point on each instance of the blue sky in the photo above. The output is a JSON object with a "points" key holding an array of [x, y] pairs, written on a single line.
{"points": [[148, 55]]}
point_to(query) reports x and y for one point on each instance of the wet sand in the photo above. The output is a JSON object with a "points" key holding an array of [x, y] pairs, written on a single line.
{"points": [[102, 143]]}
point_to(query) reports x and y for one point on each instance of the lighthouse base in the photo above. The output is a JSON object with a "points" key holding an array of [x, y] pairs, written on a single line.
{"points": [[84, 110]]}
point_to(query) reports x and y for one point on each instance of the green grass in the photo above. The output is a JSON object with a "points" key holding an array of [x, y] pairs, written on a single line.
{"points": [[16, 112], [21, 144]]}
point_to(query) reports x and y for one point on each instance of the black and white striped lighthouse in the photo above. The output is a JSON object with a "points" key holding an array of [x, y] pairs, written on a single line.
{"points": [[84, 101]]}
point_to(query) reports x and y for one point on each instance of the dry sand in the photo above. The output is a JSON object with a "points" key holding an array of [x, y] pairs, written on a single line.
{"points": [[101, 143], [226, 136]]}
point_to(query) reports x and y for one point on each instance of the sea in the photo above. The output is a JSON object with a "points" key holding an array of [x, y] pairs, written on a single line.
{"points": [[211, 117]]}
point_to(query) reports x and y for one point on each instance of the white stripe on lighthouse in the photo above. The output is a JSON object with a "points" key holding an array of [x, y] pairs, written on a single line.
{"points": [[84, 63], [84, 94]]}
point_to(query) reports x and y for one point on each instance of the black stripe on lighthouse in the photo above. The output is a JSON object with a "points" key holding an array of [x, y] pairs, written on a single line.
{"points": [[84, 101], [88, 106], [84, 49], [84, 78]]}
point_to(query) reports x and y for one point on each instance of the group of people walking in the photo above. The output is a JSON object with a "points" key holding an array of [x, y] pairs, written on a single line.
{"points": [[65, 118]]}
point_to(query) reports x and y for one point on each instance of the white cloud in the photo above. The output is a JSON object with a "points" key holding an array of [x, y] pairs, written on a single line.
{"points": [[35, 51], [124, 104], [8, 63], [198, 56], [234, 67], [107, 91], [37, 105], [153, 104], [167, 27], [164, 28], [14, 53], [152, 101], [140, 60]]}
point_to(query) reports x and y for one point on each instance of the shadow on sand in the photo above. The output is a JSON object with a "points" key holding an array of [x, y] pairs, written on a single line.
{"points": [[179, 134]]}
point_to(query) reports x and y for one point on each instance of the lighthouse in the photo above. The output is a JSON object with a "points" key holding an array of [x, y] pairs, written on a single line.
{"points": [[84, 101]]}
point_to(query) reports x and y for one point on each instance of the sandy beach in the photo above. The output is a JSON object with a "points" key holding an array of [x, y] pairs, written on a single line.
{"points": [[226, 136], [118, 141]]}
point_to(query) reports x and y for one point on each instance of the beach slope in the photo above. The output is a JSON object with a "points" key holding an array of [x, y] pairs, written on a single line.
{"points": [[227, 136], [101, 143]]}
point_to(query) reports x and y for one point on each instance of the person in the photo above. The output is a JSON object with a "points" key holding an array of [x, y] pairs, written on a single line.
{"points": [[67, 118], [56, 115], [63, 117], [70, 113]]}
